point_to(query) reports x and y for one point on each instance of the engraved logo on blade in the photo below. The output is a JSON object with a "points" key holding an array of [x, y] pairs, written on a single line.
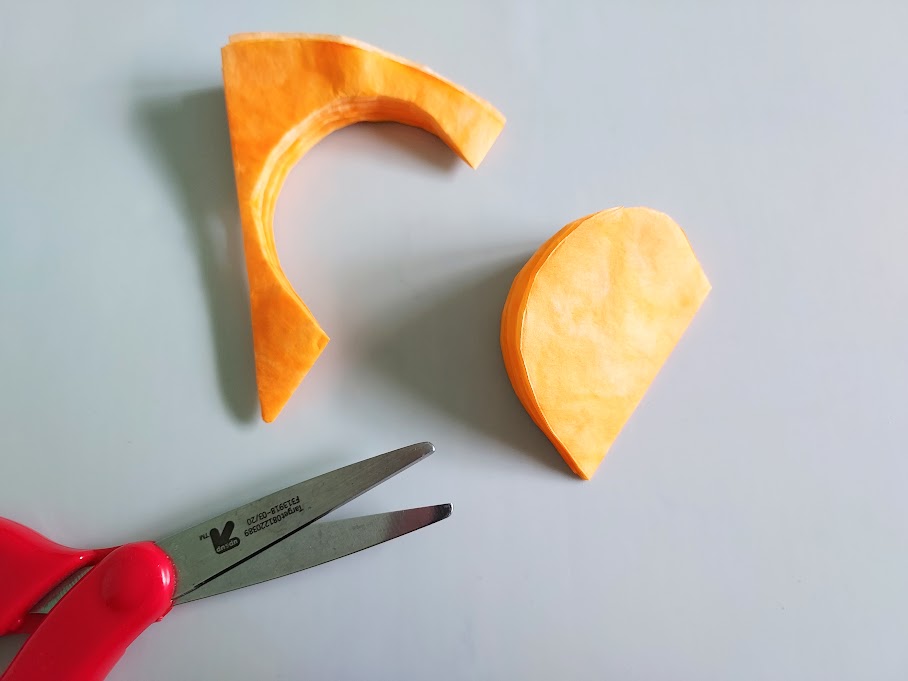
{"points": [[221, 539]]}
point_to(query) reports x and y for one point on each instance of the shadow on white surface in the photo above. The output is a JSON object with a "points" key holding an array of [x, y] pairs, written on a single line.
{"points": [[9, 646], [186, 135], [445, 348]]}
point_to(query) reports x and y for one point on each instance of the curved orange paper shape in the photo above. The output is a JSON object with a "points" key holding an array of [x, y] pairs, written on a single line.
{"points": [[591, 319], [284, 93]]}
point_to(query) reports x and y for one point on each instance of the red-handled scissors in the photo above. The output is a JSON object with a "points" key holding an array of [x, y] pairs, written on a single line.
{"points": [[83, 609]]}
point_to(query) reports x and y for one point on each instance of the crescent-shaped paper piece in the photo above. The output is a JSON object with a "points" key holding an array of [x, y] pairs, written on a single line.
{"points": [[284, 93]]}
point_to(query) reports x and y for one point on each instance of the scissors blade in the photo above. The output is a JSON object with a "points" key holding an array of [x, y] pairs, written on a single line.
{"points": [[321, 543], [210, 549], [55, 596]]}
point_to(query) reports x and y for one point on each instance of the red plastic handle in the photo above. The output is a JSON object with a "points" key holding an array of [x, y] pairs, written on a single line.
{"points": [[88, 631], [30, 566]]}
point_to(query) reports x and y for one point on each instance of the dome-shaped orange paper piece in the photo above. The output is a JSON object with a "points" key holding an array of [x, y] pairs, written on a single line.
{"points": [[591, 319], [284, 93]]}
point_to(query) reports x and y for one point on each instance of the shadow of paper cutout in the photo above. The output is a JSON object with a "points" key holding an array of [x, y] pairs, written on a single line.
{"points": [[446, 351], [186, 135]]}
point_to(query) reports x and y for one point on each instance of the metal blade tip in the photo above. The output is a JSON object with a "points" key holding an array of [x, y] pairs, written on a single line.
{"points": [[425, 447]]}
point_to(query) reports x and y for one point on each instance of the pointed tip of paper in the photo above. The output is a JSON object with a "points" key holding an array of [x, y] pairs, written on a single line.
{"points": [[583, 470], [272, 405], [274, 394]]}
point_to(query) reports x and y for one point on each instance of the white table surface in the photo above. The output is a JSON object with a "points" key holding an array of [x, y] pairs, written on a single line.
{"points": [[750, 522]]}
